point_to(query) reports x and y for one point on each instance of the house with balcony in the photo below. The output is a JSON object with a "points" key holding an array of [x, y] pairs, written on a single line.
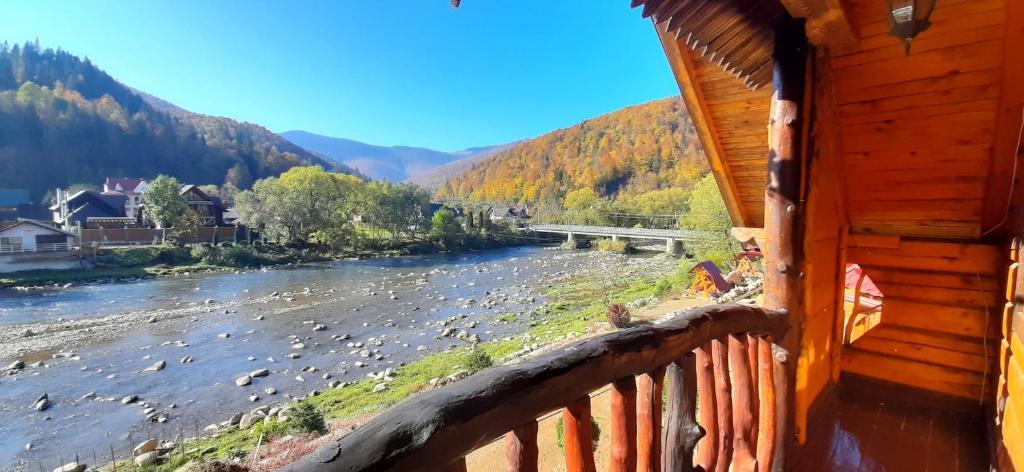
{"points": [[884, 134]]}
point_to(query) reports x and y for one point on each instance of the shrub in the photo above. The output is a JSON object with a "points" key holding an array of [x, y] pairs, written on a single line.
{"points": [[560, 431], [477, 361], [305, 418], [662, 287], [618, 315], [608, 245]]}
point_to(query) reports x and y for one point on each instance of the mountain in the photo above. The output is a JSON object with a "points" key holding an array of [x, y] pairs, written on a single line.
{"points": [[65, 121], [438, 176], [394, 163], [631, 151]]}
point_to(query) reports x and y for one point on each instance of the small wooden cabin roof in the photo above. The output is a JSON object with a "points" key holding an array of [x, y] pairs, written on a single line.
{"points": [[928, 141]]}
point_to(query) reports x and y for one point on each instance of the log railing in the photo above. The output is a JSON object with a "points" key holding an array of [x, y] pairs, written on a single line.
{"points": [[720, 356]]}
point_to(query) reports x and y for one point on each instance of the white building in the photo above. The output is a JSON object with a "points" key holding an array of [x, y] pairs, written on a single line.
{"points": [[33, 236], [129, 187]]}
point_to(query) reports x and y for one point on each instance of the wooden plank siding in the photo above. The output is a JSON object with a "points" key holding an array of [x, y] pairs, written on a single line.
{"points": [[940, 317], [917, 132], [1009, 391]]}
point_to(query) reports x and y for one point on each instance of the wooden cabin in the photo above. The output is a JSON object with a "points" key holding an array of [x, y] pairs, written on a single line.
{"points": [[823, 130]]}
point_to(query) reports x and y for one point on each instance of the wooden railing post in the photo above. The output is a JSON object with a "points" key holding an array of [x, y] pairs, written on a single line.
{"points": [[707, 448], [742, 406], [648, 422], [521, 448], [623, 425], [578, 437], [723, 397], [767, 423], [681, 431]]}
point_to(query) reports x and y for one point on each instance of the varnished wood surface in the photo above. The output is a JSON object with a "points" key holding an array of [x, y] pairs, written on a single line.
{"points": [[873, 427]]}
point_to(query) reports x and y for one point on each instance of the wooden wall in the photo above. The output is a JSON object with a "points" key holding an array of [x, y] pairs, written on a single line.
{"points": [[825, 230], [1009, 420], [940, 318], [918, 131]]}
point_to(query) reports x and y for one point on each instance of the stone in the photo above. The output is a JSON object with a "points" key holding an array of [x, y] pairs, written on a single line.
{"points": [[254, 398], [224, 335], [41, 404], [148, 458], [243, 380], [270, 391], [246, 422], [159, 365], [72, 467], [235, 419], [259, 373], [144, 447], [186, 359], [380, 388], [129, 399], [16, 365]]}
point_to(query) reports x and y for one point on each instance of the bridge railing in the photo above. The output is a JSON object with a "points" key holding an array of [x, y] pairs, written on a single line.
{"points": [[722, 355]]}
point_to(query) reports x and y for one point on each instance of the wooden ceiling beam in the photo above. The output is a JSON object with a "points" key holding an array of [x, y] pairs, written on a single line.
{"points": [[683, 68], [828, 24]]}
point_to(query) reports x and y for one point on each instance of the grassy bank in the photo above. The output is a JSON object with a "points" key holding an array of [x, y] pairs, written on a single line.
{"points": [[574, 309]]}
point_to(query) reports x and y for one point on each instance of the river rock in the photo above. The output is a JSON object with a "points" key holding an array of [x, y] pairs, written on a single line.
{"points": [[72, 467], [224, 335], [148, 458], [41, 404], [259, 373], [16, 365], [159, 365], [254, 398], [186, 359], [380, 388], [243, 380], [235, 419], [129, 399], [270, 391], [144, 447], [298, 346], [27, 333]]}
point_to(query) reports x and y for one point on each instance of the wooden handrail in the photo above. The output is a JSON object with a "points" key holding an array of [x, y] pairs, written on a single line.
{"points": [[435, 430]]}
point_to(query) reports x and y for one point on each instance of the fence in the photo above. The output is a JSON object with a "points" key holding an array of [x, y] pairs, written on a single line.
{"points": [[112, 236]]}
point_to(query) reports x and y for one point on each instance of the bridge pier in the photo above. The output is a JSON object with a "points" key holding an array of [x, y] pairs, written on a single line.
{"points": [[615, 237], [570, 237], [674, 246]]}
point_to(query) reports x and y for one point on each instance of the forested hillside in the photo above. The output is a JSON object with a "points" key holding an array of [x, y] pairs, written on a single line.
{"points": [[623, 154], [64, 121]]}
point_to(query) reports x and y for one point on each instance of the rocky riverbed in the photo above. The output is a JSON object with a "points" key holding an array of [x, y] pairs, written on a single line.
{"points": [[92, 367]]}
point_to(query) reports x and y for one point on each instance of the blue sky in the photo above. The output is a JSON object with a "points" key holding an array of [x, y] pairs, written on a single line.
{"points": [[411, 72]]}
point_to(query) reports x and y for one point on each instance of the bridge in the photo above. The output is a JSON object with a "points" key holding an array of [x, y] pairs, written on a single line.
{"points": [[674, 238]]}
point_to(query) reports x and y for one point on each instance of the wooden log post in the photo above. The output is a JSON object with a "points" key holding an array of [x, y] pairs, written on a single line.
{"points": [[578, 437], [723, 395], [767, 422], [707, 448], [648, 421], [783, 221], [755, 373], [521, 448], [623, 425], [743, 413], [681, 429]]}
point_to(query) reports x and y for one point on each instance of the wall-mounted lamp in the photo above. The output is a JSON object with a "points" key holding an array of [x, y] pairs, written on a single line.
{"points": [[909, 17]]}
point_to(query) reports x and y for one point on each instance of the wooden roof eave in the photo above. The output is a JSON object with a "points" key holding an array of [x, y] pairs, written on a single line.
{"points": [[681, 62]]}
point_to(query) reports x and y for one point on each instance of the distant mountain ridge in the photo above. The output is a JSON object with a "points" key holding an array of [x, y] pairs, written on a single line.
{"points": [[633, 150], [65, 121], [394, 163]]}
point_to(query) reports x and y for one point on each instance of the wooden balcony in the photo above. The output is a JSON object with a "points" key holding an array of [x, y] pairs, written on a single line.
{"points": [[721, 357]]}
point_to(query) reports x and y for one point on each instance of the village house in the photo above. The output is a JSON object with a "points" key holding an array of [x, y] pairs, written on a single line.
{"points": [[512, 215], [34, 236], [15, 204], [131, 188], [88, 205]]}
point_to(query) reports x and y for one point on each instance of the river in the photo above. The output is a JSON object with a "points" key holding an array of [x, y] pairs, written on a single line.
{"points": [[96, 341]]}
